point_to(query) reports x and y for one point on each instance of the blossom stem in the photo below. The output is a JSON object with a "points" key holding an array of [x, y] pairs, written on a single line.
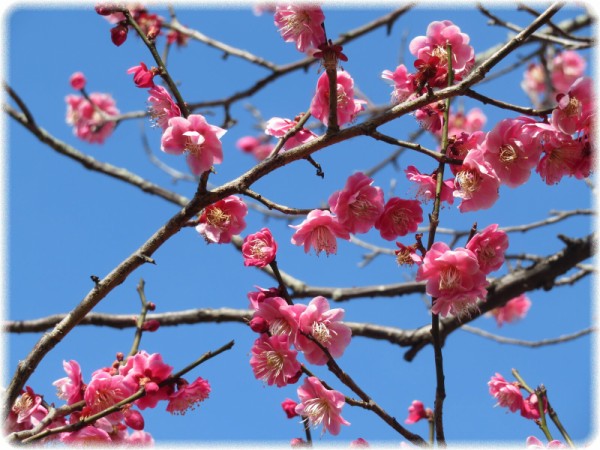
{"points": [[282, 287], [554, 417], [306, 424], [440, 391], [163, 69], [521, 381], [141, 318], [332, 120], [431, 431], [542, 422]]}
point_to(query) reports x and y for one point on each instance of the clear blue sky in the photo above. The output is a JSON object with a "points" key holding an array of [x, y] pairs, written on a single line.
{"points": [[66, 223]]}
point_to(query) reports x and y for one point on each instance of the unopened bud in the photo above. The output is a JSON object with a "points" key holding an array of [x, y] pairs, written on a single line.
{"points": [[151, 306], [77, 81], [151, 325], [106, 9], [259, 325], [133, 419], [120, 356], [118, 34]]}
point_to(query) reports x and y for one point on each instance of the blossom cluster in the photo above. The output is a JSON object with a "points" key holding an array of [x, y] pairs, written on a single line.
{"points": [[509, 396], [107, 387]]}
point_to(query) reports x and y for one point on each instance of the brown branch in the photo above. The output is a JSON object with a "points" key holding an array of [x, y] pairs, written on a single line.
{"points": [[530, 344], [504, 105], [272, 205]]}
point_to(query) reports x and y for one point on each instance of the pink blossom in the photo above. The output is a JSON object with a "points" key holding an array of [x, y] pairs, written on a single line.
{"points": [[90, 120], [325, 326], [358, 205], [508, 394], [399, 218], [28, 410], [222, 220], [427, 185], [289, 407], [417, 411], [533, 442], [301, 24], [195, 137], [273, 361], [139, 439], [476, 183], [319, 230], [575, 108], [454, 279], [534, 82], [347, 105], [142, 76], [489, 246], [530, 409], [407, 255], [259, 249], [563, 156], [71, 387], [255, 146], [188, 395], [567, 66], [162, 106], [144, 370], [512, 150], [403, 83], [515, 309], [77, 81], [87, 436], [459, 147], [105, 390], [260, 295], [430, 117], [439, 34], [468, 123], [321, 405], [281, 317], [359, 443], [278, 127]]}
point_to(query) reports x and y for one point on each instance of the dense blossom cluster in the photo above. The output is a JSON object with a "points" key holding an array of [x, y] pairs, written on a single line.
{"points": [[107, 387], [91, 116]]}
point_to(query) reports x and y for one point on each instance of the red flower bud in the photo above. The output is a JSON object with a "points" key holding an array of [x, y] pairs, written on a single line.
{"points": [[259, 325], [118, 34], [151, 325]]}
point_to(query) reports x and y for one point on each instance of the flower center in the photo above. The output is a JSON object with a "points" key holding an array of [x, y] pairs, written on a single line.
{"points": [[508, 154], [469, 181], [403, 257], [400, 217], [296, 23], [323, 240], [321, 333], [278, 327], [257, 248], [315, 409], [23, 403], [450, 278], [573, 108], [217, 217], [361, 208], [274, 362], [191, 147], [440, 52]]}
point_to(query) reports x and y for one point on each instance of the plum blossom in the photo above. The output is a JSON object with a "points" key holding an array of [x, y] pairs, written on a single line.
{"points": [[142, 76], [402, 81], [460, 122], [273, 361], [145, 370], [259, 249], [508, 394], [278, 127], [260, 295], [325, 326], [197, 139], [220, 221], [431, 117], [513, 310], [281, 317], [512, 150], [71, 387], [188, 395], [347, 105], [417, 411], [567, 67], [489, 246], [399, 217], [534, 82], [476, 183], [28, 411], [533, 442], [301, 24], [321, 405], [105, 390], [426, 185], [255, 146], [89, 120], [407, 255], [530, 409], [454, 279], [564, 156], [89, 436], [433, 45], [162, 107], [575, 108], [289, 407], [319, 230], [359, 204]]}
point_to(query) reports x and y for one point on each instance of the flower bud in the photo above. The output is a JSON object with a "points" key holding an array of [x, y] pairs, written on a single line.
{"points": [[77, 81], [151, 325], [118, 34], [133, 419], [259, 325]]}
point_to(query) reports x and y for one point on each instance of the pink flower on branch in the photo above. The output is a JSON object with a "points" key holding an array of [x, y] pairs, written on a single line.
{"points": [[105, 390], [279, 127], [325, 326], [255, 146], [508, 394], [188, 395], [321, 405], [358, 205], [162, 106], [144, 370], [71, 387], [417, 411], [301, 24], [259, 249], [273, 361], [282, 318], [575, 108], [515, 309], [402, 81], [91, 121], [489, 246], [567, 67], [564, 156], [476, 183], [26, 412], [142, 76], [399, 217], [220, 221], [426, 185], [197, 139], [454, 279], [319, 230], [347, 106]]}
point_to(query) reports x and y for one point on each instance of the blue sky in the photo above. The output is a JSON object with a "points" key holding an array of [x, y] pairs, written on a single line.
{"points": [[66, 223]]}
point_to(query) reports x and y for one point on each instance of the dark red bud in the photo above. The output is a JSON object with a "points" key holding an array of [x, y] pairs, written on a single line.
{"points": [[151, 325], [120, 356], [259, 325], [118, 34], [295, 378], [151, 306]]}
